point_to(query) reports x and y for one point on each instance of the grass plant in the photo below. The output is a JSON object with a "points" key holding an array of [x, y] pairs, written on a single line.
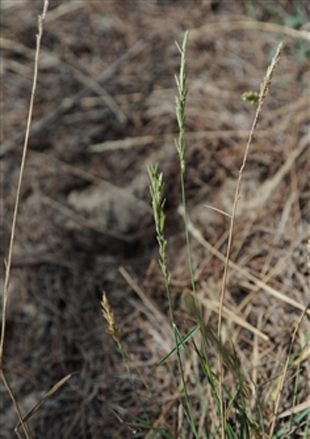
{"points": [[236, 416]]}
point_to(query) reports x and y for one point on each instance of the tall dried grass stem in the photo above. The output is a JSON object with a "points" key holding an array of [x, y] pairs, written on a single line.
{"points": [[263, 94], [41, 19]]}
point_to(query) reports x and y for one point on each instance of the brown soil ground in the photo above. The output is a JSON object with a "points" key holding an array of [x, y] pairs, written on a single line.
{"points": [[85, 208]]}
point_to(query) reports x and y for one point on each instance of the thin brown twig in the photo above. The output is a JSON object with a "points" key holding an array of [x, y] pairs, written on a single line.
{"points": [[44, 399], [41, 19]]}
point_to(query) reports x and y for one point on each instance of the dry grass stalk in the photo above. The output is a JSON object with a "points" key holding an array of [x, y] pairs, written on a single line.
{"points": [[263, 93], [228, 26], [43, 400], [259, 283], [41, 19], [233, 316]]}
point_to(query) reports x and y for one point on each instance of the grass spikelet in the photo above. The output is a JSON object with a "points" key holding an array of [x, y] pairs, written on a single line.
{"points": [[109, 317]]}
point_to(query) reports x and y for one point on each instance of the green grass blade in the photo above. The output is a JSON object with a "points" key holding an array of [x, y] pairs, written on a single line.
{"points": [[179, 344]]}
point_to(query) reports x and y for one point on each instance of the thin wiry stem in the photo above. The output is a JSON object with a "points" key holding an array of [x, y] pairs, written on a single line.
{"points": [[181, 148], [263, 93], [14, 221]]}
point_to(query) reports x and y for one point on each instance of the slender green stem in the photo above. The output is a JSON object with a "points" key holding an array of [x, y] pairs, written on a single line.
{"points": [[158, 203]]}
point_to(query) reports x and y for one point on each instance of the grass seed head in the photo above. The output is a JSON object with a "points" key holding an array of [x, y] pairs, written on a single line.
{"points": [[109, 317]]}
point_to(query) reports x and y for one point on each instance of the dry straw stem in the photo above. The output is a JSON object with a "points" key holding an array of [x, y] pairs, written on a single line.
{"points": [[43, 400], [133, 142], [263, 93], [14, 221], [257, 282], [262, 96], [297, 409], [231, 25], [233, 316]]}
